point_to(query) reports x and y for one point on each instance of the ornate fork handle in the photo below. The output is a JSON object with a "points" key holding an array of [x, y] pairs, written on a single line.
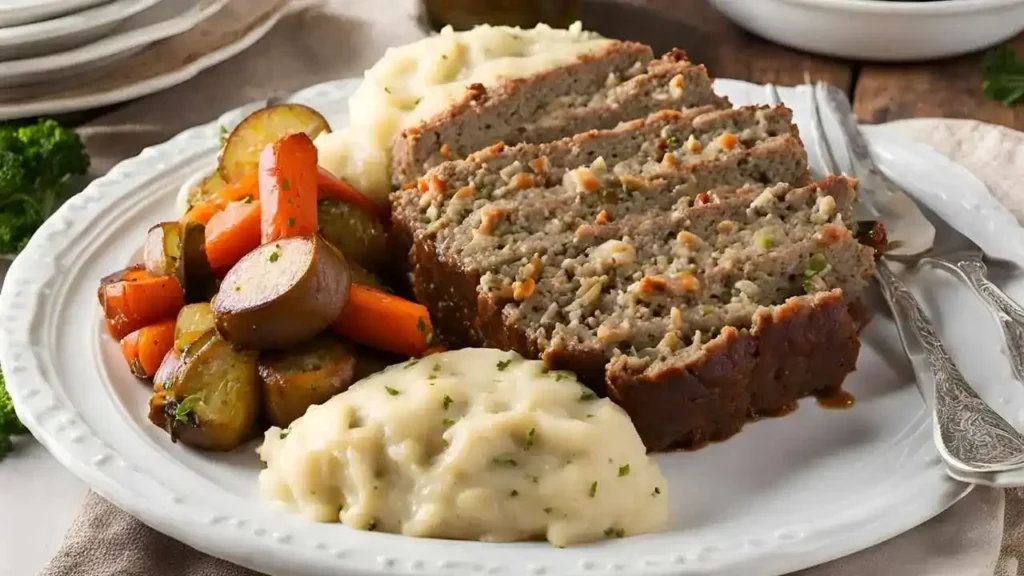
{"points": [[974, 438], [1009, 314]]}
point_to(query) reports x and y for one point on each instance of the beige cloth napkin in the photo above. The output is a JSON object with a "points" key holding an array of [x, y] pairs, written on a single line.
{"points": [[983, 535]]}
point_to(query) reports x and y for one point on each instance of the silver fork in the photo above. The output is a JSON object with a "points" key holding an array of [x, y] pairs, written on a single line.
{"points": [[969, 435], [950, 250]]}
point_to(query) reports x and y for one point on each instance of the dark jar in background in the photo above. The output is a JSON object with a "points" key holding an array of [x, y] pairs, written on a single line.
{"points": [[464, 14]]}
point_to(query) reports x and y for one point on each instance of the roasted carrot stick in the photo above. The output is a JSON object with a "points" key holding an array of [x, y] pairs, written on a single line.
{"points": [[330, 186], [201, 212], [231, 234], [247, 187], [130, 304], [384, 321], [145, 348], [287, 176]]}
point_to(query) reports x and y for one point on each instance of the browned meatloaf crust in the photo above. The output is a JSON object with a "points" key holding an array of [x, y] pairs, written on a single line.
{"points": [[599, 91], [806, 346]]}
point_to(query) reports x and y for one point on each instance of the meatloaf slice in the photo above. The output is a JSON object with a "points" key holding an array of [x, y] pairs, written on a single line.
{"points": [[598, 91], [556, 219], [708, 390], [662, 305], [668, 146]]}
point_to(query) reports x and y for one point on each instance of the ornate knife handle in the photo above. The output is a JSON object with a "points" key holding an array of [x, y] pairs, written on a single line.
{"points": [[1009, 314], [973, 437]]}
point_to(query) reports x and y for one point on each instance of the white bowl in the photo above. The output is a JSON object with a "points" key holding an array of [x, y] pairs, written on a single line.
{"points": [[879, 29]]}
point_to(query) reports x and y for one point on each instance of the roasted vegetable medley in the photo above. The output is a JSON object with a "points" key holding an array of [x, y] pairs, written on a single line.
{"points": [[265, 297]]}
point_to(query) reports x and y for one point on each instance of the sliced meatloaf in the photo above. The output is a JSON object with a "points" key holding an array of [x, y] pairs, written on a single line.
{"points": [[694, 148], [682, 264], [598, 91]]}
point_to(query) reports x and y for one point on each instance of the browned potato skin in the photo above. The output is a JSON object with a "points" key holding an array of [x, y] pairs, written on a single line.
{"points": [[160, 252], [243, 147], [293, 380], [249, 315], [219, 386], [360, 236], [193, 269]]}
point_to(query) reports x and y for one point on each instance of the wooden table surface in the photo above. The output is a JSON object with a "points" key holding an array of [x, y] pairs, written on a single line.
{"points": [[881, 92]]}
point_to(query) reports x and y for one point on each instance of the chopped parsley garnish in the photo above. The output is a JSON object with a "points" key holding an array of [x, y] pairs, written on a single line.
{"points": [[274, 256], [614, 532], [560, 376], [247, 199], [529, 438], [548, 510], [284, 433], [411, 363], [285, 184], [514, 493], [421, 325], [224, 133], [510, 462], [448, 422], [656, 491], [816, 265], [534, 479], [291, 222], [503, 364], [672, 143], [1003, 70], [391, 391], [587, 395], [623, 470], [593, 489], [186, 408], [388, 90], [447, 401]]}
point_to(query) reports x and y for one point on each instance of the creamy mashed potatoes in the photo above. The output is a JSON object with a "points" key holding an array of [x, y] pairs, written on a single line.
{"points": [[472, 444], [414, 82]]}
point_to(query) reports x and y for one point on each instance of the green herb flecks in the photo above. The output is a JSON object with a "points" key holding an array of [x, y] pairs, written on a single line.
{"points": [[391, 391], [514, 493], [184, 412], [614, 533], [285, 184], [274, 256], [503, 364], [447, 401], [529, 439], [587, 395], [593, 489], [623, 470], [507, 462]]}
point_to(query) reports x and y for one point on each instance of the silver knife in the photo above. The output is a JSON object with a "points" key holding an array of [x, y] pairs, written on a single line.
{"points": [[914, 231], [970, 436]]}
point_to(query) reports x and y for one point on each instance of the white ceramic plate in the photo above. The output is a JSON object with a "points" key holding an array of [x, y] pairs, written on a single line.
{"points": [[88, 98], [170, 18], [63, 32], [883, 30], [15, 12], [785, 494]]}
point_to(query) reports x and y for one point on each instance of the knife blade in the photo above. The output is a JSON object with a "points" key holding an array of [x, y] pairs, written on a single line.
{"points": [[910, 233]]}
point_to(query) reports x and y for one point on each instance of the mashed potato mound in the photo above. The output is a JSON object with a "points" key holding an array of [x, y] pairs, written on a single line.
{"points": [[476, 444]]}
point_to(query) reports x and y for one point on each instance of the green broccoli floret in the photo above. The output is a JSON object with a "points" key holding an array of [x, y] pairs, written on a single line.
{"points": [[37, 163], [10, 426]]}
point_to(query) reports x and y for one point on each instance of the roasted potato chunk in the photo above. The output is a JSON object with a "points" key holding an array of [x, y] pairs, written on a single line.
{"points": [[161, 250], [212, 400], [282, 294], [241, 154], [359, 235], [193, 321], [293, 380]]}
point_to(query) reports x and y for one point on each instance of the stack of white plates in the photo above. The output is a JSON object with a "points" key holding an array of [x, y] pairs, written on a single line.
{"points": [[49, 47]]}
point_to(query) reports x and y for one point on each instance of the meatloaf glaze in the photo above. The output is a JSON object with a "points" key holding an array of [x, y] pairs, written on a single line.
{"points": [[600, 90], [682, 264]]}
